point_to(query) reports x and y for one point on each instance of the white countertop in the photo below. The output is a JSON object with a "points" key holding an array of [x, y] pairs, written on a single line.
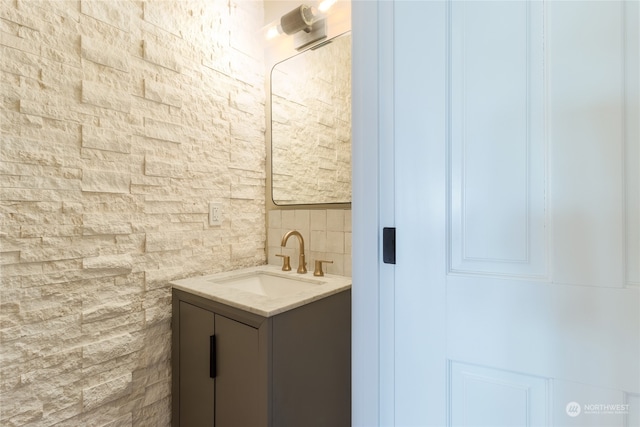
{"points": [[207, 287]]}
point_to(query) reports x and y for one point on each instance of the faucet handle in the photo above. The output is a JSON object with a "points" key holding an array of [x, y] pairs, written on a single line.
{"points": [[318, 270], [286, 263]]}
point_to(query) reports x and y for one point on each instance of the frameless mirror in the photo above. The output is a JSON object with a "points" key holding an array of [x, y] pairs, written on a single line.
{"points": [[311, 125]]}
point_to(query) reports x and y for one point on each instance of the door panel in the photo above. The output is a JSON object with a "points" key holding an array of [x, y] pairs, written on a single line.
{"points": [[237, 374], [196, 387], [515, 397], [500, 323], [497, 160], [517, 186], [590, 103]]}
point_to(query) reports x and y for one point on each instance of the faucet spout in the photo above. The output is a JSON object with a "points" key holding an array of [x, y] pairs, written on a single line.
{"points": [[302, 264]]}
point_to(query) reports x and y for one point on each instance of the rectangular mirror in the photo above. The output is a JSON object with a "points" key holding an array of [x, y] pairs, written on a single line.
{"points": [[311, 126]]}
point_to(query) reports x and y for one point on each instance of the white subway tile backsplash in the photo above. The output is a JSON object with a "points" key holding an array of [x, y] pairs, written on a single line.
{"points": [[288, 219], [335, 242], [274, 219], [320, 241], [301, 221], [318, 220], [335, 220]]}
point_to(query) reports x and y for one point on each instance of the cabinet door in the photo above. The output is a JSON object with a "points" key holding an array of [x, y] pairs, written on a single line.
{"points": [[196, 386], [236, 388]]}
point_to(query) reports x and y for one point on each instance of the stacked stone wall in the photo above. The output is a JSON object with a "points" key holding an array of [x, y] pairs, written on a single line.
{"points": [[121, 120]]}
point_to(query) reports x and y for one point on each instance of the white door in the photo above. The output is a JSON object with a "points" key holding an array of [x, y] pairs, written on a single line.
{"points": [[516, 207]]}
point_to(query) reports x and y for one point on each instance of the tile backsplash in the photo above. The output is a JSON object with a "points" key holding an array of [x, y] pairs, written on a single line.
{"points": [[326, 233]]}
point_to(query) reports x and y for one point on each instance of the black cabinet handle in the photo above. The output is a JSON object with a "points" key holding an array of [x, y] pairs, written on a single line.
{"points": [[212, 356]]}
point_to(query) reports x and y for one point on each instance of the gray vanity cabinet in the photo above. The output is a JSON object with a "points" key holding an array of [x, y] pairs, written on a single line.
{"points": [[289, 370], [218, 369]]}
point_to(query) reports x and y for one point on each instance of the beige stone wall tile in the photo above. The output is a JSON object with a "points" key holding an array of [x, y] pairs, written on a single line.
{"points": [[121, 121]]}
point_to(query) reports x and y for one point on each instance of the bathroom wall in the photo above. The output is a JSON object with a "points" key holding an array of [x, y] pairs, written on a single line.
{"points": [[120, 121]]}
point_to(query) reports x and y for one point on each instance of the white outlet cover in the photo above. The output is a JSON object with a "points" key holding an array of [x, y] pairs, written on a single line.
{"points": [[215, 213]]}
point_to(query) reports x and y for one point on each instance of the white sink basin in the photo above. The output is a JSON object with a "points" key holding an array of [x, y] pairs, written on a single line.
{"points": [[265, 290], [268, 284]]}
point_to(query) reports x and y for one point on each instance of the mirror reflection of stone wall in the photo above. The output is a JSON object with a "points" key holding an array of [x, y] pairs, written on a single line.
{"points": [[311, 126]]}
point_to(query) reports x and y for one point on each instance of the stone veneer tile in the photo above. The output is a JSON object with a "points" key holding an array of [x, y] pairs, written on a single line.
{"points": [[112, 13], [116, 134], [93, 397], [161, 93], [105, 96], [105, 139], [165, 131], [156, 54], [101, 181], [104, 54]]}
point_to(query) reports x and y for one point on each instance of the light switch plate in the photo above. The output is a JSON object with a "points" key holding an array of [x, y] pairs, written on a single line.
{"points": [[215, 213]]}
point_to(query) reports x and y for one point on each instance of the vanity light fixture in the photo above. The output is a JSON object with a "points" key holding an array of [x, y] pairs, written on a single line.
{"points": [[303, 18], [299, 19]]}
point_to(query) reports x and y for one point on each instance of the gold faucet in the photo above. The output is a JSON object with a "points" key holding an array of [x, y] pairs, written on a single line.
{"points": [[302, 264]]}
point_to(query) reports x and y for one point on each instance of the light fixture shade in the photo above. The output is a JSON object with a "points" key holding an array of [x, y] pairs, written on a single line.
{"points": [[326, 5], [300, 18]]}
